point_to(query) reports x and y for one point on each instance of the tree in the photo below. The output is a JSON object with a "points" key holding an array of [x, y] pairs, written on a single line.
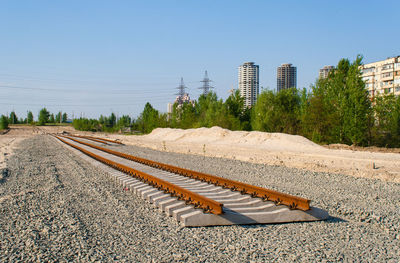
{"points": [[29, 117], [83, 124], [111, 121], [51, 119], [3, 122], [64, 117], [386, 129], [357, 106], [58, 117], [239, 115], [339, 109], [43, 116], [13, 118], [277, 111], [235, 104], [149, 119], [124, 121]]}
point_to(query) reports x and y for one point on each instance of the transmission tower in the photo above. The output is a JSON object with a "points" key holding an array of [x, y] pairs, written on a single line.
{"points": [[181, 89], [206, 84]]}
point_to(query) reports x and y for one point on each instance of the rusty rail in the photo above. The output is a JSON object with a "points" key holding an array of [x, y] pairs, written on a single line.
{"points": [[90, 138], [199, 201], [97, 138], [293, 202]]}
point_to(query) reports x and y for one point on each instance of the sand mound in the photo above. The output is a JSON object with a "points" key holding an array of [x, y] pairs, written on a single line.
{"points": [[220, 136]]}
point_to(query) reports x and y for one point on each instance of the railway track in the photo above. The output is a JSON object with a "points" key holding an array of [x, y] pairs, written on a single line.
{"points": [[193, 198], [97, 139]]}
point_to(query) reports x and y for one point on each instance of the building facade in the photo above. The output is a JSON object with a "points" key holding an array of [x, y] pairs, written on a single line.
{"points": [[286, 77], [249, 83], [324, 72], [382, 77]]}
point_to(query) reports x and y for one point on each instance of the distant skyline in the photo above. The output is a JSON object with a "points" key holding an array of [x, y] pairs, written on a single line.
{"points": [[95, 57]]}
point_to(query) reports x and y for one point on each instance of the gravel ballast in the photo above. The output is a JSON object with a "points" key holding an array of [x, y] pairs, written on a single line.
{"points": [[56, 207]]}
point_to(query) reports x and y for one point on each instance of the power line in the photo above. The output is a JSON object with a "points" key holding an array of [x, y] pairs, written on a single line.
{"points": [[115, 91]]}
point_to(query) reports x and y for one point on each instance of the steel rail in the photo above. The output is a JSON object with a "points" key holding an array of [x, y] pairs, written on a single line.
{"points": [[90, 138], [293, 202], [199, 201], [97, 138]]}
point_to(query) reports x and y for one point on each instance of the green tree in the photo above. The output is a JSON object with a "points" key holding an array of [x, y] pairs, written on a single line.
{"points": [[43, 116], [185, 116], [83, 124], [13, 118], [235, 104], [30, 117], [148, 119], [58, 117], [111, 121], [64, 117], [339, 110], [238, 115], [51, 119], [357, 106], [3, 122], [124, 122], [386, 129], [211, 111], [277, 111]]}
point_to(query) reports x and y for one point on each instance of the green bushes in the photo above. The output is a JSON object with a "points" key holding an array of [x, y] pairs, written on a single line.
{"points": [[386, 128], [44, 115], [3, 122]]}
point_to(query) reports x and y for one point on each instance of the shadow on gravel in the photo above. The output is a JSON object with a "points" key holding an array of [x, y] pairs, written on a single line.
{"points": [[4, 175], [333, 219], [330, 220]]}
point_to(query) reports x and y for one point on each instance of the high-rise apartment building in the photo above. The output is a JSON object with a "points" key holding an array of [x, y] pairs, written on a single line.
{"points": [[324, 72], [249, 83], [286, 77], [382, 77]]}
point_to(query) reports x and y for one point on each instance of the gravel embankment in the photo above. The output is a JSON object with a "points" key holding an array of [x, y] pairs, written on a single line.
{"points": [[54, 207]]}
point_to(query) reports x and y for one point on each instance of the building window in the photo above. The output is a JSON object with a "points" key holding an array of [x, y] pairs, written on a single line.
{"points": [[388, 74], [387, 66]]}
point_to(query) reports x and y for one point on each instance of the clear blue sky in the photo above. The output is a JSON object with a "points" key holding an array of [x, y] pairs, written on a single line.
{"points": [[94, 57]]}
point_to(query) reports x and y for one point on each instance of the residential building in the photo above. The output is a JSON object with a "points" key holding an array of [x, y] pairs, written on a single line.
{"points": [[249, 83], [324, 72], [286, 77], [382, 77]]}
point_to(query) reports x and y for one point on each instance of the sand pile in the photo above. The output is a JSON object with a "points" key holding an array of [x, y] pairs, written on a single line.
{"points": [[219, 136]]}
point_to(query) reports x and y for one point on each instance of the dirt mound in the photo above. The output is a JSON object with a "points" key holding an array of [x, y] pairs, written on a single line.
{"points": [[220, 136]]}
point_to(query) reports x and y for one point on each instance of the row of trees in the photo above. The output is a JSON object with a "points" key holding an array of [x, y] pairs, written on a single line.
{"points": [[108, 124], [44, 117]]}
